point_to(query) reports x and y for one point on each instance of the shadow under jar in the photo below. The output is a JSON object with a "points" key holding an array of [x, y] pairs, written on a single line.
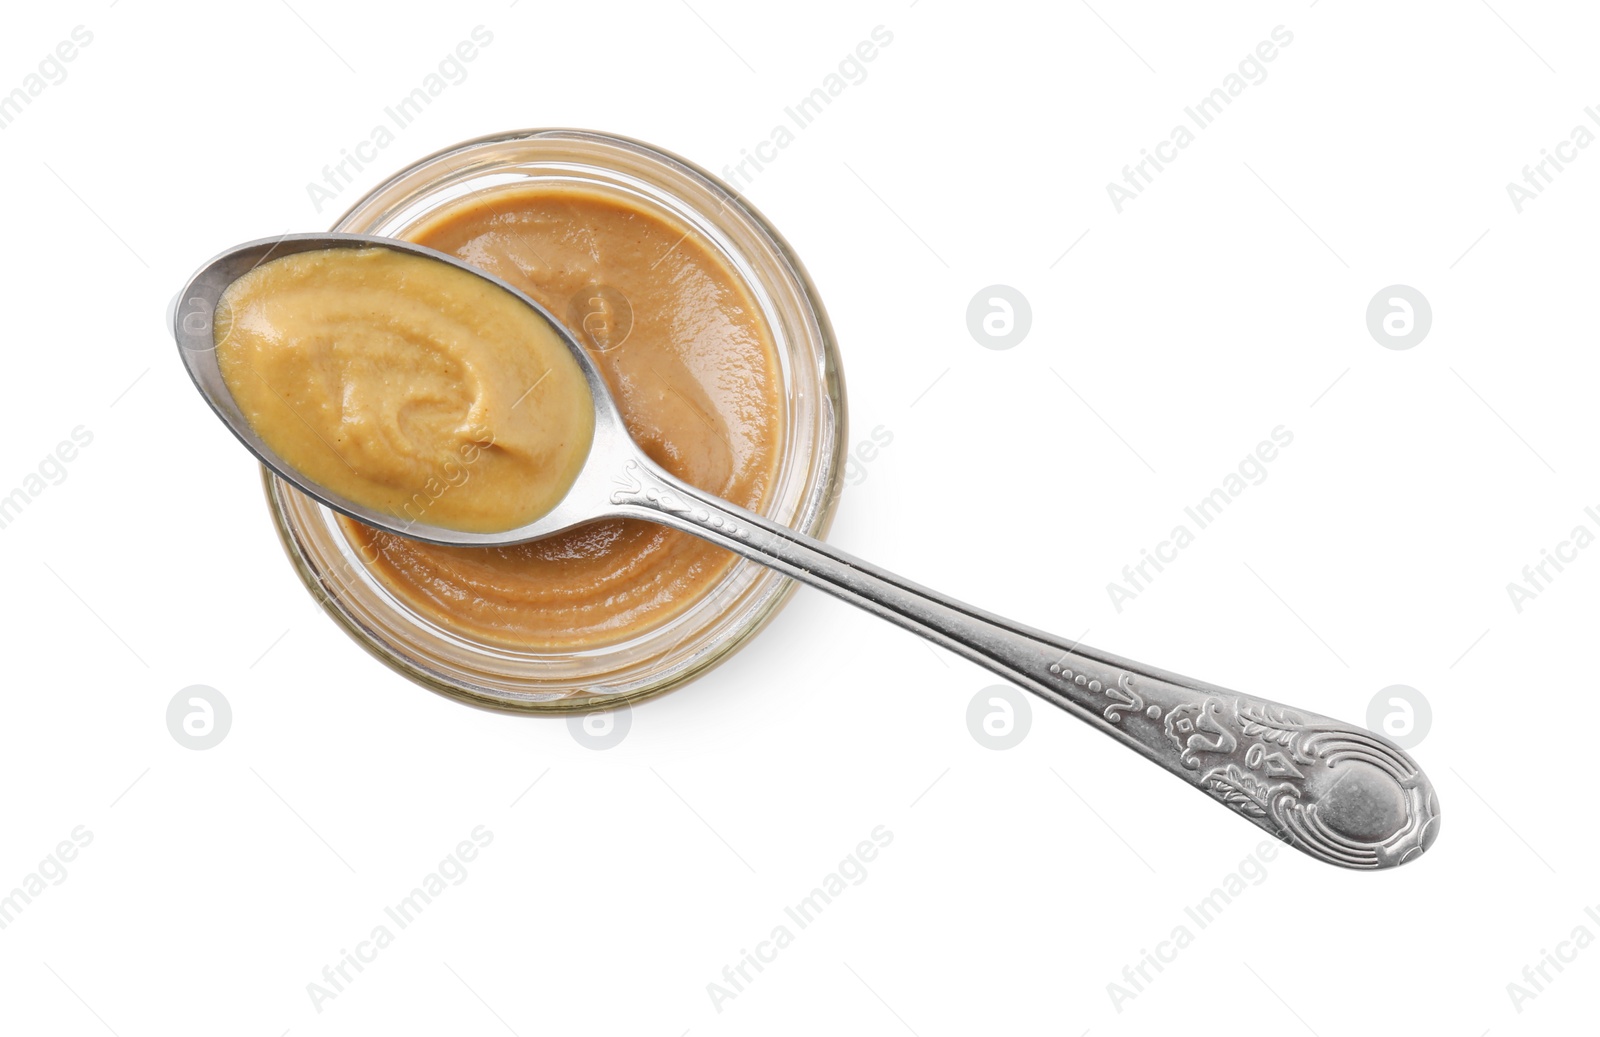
{"points": [[711, 336]]}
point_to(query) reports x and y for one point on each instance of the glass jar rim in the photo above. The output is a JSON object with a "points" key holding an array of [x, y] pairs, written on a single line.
{"points": [[761, 592]]}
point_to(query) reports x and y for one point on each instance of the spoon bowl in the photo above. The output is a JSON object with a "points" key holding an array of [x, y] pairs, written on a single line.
{"points": [[193, 325]]}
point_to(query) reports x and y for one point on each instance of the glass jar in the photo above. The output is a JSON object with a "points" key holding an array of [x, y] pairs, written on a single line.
{"points": [[803, 496]]}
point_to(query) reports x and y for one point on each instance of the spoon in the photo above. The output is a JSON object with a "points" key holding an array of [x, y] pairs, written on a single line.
{"points": [[1332, 790]]}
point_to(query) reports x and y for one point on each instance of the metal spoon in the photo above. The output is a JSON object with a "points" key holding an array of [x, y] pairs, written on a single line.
{"points": [[1333, 790]]}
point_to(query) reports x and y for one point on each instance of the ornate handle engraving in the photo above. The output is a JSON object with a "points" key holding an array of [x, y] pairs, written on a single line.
{"points": [[1333, 790], [639, 489]]}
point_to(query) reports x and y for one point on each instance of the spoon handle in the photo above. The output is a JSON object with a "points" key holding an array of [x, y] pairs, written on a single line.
{"points": [[1330, 789]]}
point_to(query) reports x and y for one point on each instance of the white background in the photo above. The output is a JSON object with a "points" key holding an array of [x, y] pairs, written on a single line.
{"points": [[1228, 299]]}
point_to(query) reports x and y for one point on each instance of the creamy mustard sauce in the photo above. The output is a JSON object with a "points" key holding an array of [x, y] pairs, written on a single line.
{"points": [[406, 385], [688, 355]]}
